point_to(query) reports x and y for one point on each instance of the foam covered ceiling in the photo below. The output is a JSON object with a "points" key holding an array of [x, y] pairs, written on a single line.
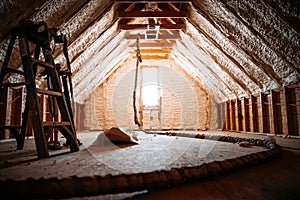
{"points": [[233, 48]]}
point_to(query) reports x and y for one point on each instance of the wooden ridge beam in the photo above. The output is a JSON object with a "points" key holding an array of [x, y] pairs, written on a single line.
{"points": [[165, 36], [154, 45], [153, 51], [144, 26], [152, 14], [160, 1], [154, 57]]}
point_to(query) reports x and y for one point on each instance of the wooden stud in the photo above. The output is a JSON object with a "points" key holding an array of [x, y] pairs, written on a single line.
{"points": [[233, 115], [219, 112], [160, 1], [246, 120], [223, 115], [144, 26], [161, 36], [3, 108], [16, 106], [276, 120], [79, 116], [240, 116], [265, 115], [254, 112], [291, 111], [152, 14], [228, 116]]}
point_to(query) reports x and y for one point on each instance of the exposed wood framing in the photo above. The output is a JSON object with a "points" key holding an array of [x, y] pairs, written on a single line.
{"points": [[276, 126], [246, 116], [144, 26], [254, 112], [162, 35], [160, 1], [151, 14]]}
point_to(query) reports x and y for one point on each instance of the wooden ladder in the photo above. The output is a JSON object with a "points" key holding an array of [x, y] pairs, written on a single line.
{"points": [[58, 96]]}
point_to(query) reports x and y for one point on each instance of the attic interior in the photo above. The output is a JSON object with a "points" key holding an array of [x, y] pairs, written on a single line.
{"points": [[72, 68]]}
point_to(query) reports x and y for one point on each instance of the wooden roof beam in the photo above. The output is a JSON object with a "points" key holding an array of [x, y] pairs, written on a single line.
{"points": [[151, 14], [165, 36], [154, 57], [154, 45], [144, 26], [160, 1], [153, 51]]}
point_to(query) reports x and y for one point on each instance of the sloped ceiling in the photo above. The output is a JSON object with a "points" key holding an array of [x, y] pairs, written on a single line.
{"points": [[233, 48]]}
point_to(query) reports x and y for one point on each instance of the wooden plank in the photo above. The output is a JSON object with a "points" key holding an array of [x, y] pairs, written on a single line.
{"points": [[13, 84], [233, 115], [15, 71], [3, 108], [160, 1], [265, 113], [152, 14], [276, 120], [79, 113], [220, 115], [165, 36], [144, 26], [240, 116], [48, 92], [153, 51], [246, 114], [228, 121], [291, 112], [254, 109], [154, 57], [41, 63], [154, 44], [16, 107], [50, 123], [10, 126]]}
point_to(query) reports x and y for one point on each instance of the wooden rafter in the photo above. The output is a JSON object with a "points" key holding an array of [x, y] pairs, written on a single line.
{"points": [[125, 6], [160, 37], [152, 14], [154, 51], [160, 1], [144, 26], [156, 44], [154, 57]]}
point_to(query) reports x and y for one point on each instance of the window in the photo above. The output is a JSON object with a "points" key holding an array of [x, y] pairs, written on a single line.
{"points": [[150, 87]]}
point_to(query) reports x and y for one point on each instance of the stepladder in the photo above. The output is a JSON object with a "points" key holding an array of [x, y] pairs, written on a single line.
{"points": [[35, 41]]}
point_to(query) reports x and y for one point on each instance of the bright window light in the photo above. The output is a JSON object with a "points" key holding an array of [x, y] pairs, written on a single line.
{"points": [[150, 95]]}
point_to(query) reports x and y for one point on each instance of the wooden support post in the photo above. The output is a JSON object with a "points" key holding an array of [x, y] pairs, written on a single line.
{"points": [[291, 111], [16, 106], [79, 116], [223, 115], [276, 120], [219, 113], [240, 116], [246, 121], [3, 108], [233, 115], [265, 115], [42, 102], [254, 108], [228, 116]]}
